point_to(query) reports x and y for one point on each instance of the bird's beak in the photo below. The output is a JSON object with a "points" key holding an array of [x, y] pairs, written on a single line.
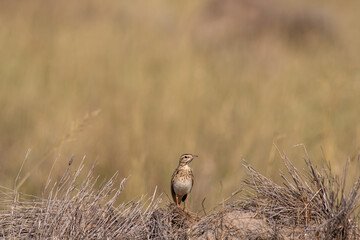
{"points": [[195, 156]]}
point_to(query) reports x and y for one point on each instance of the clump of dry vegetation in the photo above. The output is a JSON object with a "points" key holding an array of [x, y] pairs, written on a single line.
{"points": [[312, 205], [75, 210]]}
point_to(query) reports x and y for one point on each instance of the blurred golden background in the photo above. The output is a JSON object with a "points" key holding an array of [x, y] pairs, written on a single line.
{"points": [[221, 79]]}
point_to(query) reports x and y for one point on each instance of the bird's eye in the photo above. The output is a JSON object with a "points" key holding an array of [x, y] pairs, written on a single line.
{"points": [[185, 156]]}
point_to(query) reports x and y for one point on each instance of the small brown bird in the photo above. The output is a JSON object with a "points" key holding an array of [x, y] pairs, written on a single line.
{"points": [[182, 180]]}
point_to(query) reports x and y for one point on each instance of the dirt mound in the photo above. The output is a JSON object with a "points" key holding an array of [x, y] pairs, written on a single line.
{"points": [[231, 224]]}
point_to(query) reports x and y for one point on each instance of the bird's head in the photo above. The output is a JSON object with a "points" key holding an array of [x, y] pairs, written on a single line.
{"points": [[186, 158]]}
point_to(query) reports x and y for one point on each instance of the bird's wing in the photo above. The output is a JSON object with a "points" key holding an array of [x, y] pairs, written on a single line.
{"points": [[192, 184], [173, 193], [172, 185], [192, 179]]}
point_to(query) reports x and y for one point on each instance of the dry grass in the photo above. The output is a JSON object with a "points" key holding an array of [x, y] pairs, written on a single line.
{"points": [[76, 210], [312, 205], [167, 85]]}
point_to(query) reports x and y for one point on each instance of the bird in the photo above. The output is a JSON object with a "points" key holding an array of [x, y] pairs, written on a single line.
{"points": [[182, 180]]}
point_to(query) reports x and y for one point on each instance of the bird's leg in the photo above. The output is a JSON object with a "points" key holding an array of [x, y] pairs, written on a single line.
{"points": [[177, 201]]}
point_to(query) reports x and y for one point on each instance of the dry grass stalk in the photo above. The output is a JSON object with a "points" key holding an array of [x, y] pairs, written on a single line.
{"points": [[76, 128]]}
